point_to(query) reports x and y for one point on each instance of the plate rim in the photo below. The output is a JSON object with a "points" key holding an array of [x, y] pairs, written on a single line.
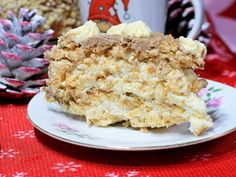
{"points": [[128, 148]]}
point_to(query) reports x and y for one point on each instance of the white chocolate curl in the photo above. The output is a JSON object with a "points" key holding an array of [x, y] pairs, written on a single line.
{"points": [[136, 29], [83, 32], [117, 29], [192, 45]]}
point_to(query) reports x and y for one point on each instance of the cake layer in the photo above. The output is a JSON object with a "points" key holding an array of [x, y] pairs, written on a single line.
{"points": [[178, 52]]}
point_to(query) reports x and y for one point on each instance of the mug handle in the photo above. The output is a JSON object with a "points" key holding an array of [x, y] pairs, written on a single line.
{"points": [[198, 19]]}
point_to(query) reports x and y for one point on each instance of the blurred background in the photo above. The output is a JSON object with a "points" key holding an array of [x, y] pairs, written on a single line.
{"points": [[223, 16], [62, 15]]}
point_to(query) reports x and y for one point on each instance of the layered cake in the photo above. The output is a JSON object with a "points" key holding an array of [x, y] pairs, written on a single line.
{"points": [[130, 75]]}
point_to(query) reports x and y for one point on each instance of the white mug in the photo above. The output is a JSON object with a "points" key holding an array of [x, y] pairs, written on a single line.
{"points": [[153, 12]]}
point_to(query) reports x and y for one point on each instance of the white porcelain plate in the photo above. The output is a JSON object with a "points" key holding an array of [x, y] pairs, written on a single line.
{"points": [[51, 120]]}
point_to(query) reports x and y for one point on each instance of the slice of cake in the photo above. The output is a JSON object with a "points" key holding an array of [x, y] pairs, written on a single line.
{"points": [[130, 75]]}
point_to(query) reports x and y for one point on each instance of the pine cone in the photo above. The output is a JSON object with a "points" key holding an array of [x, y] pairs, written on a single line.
{"points": [[180, 20], [22, 70]]}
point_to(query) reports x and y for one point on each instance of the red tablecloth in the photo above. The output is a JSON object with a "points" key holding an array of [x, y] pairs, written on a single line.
{"points": [[24, 151]]}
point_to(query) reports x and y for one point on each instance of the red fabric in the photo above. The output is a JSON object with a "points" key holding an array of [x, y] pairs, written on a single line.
{"points": [[24, 151]]}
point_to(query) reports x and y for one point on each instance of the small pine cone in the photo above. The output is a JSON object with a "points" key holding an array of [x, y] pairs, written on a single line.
{"points": [[180, 20], [180, 14]]}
